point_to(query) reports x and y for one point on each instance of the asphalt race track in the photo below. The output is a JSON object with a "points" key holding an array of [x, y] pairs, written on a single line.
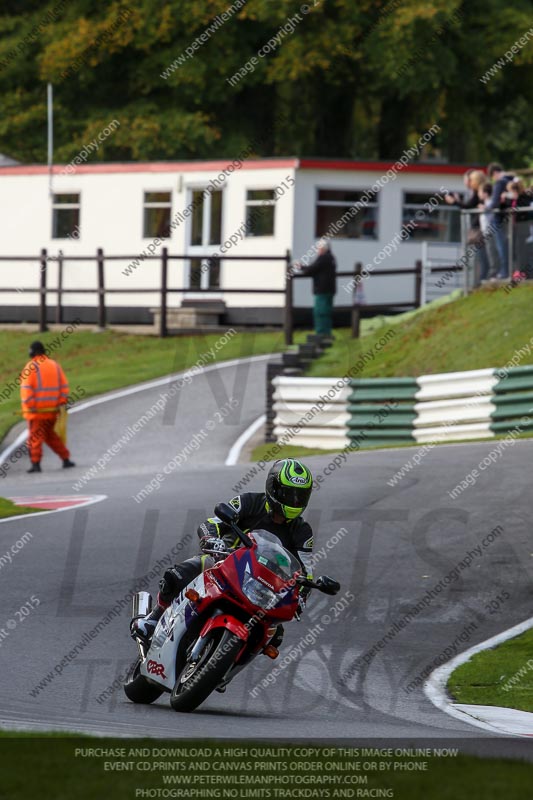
{"points": [[388, 545]]}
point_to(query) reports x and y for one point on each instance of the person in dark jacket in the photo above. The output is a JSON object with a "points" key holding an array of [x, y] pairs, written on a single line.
{"points": [[474, 179], [514, 198], [322, 270], [470, 199], [500, 179]]}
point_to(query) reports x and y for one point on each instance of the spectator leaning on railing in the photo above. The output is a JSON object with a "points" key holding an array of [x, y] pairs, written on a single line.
{"points": [[500, 180], [473, 180], [486, 221], [455, 199], [515, 197]]}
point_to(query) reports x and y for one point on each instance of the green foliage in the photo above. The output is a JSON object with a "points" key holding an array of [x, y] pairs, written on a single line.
{"points": [[352, 77]]}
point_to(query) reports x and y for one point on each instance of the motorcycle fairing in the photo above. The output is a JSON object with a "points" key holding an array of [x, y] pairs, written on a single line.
{"points": [[233, 571], [167, 636]]}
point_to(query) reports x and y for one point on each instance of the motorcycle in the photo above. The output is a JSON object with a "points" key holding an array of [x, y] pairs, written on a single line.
{"points": [[220, 621]]}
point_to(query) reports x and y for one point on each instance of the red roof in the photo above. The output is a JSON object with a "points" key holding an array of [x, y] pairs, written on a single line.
{"points": [[152, 166], [220, 164]]}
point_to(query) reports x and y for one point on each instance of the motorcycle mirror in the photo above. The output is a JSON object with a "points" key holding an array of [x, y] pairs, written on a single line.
{"points": [[226, 513], [328, 585]]}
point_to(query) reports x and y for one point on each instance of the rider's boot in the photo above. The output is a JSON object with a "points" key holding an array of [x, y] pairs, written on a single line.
{"points": [[174, 580], [144, 627]]}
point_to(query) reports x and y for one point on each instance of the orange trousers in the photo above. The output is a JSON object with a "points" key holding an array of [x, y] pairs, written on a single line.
{"points": [[42, 430]]}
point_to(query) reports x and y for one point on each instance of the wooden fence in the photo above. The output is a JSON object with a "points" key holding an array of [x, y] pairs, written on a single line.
{"points": [[164, 290]]}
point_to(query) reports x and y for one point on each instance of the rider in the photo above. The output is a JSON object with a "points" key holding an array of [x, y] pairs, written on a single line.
{"points": [[277, 510]]}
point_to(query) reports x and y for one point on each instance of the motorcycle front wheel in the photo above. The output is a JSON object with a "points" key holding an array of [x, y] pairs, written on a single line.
{"points": [[197, 681], [138, 689]]}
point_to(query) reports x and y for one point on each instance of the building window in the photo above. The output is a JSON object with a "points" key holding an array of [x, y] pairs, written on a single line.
{"points": [[426, 217], [347, 214], [66, 216], [215, 221], [260, 206], [157, 211], [197, 222]]}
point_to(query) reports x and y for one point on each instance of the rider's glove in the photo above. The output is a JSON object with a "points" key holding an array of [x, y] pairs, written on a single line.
{"points": [[213, 543], [302, 600]]}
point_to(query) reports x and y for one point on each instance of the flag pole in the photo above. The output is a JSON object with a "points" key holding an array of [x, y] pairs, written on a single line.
{"points": [[50, 103]]}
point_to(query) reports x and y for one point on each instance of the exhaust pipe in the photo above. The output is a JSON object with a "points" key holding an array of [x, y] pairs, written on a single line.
{"points": [[142, 604]]}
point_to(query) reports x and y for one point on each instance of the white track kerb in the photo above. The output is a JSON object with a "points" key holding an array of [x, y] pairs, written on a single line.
{"points": [[95, 498], [498, 720], [235, 452]]}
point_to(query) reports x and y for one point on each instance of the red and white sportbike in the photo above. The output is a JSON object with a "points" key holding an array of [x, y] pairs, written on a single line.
{"points": [[220, 621]]}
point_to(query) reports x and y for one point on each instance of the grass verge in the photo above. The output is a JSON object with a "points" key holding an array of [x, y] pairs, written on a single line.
{"points": [[65, 768], [482, 330], [9, 509], [501, 676], [98, 362], [263, 452]]}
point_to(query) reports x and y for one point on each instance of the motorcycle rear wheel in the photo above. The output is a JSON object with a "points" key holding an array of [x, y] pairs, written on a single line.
{"points": [[138, 689], [219, 654]]}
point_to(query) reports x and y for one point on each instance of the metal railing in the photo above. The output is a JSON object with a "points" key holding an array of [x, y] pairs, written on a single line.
{"points": [[498, 245], [435, 266]]}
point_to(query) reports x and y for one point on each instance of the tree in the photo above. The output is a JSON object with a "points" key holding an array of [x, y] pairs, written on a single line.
{"points": [[354, 78]]}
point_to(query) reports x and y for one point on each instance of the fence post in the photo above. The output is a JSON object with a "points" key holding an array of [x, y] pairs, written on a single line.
{"points": [[288, 322], [163, 332], [59, 306], [356, 308], [510, 244], [426, 269], [418, 283], [42, 299], [101, 289], [467, 251]]}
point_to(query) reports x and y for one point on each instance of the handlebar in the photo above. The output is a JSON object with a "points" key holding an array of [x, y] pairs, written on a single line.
{"points": [[323, 584]]}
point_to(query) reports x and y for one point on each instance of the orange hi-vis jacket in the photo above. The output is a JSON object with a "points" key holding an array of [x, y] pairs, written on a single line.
{"points": [[43, 388]]}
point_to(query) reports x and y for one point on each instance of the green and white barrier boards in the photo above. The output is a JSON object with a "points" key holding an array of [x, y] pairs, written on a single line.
{"points": [[333, 413]]}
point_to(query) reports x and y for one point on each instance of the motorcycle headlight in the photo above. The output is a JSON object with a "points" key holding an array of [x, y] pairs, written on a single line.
{"points": [[259, 594]]}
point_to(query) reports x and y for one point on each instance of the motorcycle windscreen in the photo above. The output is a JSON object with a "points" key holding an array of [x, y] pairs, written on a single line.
{"points": [[272, 555]]}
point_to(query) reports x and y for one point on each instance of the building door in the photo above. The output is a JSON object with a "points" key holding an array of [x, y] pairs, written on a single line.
{"points": [[204, 237]]}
